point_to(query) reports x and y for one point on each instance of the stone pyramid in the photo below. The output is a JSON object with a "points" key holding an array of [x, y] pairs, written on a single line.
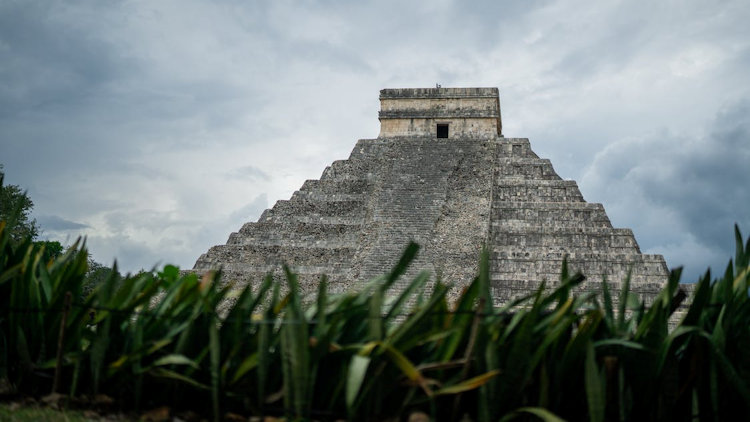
{"points": [[442, 174]]}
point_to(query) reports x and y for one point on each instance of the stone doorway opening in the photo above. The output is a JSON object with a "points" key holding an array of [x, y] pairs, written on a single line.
{"points": [[442, 130]]}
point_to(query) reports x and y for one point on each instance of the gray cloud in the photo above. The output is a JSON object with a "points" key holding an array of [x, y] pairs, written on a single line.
{"points": [[249, 173], [250, 211], [680, 193], [165, 126], [57, 223]]}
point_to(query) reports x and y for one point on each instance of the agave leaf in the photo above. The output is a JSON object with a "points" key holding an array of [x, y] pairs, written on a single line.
{"points": [[405, 365], [296, 352], [730, 374], [45, 284], [322, 302], [608, 309], [620, 342], [653, 329], [167, 373], [562, 292], [403, 263], [740, 257], [137, 344], [22, 348], [375, 321], [578, 343], [550, 337], [701, 296], [357, 369], [264, 343], [461, 322], [215, 359], [539, 412], [469, 384], [741, 280], [416, 285], [595, 386], [564, 270], [158, 344], [262, 291], [406, 331], [98, 353], [247, 364], [485, 290], [624, 293], [514, 321], [10, 272], [174, 359], [666, 346]]}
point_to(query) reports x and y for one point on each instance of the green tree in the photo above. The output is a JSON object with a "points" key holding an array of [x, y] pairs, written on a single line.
{"points": [[52, 249], [15, 210], [98, 273]]}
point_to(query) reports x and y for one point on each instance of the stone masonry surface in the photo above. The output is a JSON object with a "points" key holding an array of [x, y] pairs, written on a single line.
{"points": [[450, 195]]}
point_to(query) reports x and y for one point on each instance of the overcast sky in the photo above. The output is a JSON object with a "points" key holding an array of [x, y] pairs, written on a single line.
{"points": [[156, 128]]}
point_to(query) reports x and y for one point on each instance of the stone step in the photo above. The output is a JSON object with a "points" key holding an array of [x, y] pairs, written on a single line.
{"points": [[536, 190], [261, 270], [526, 254], [561, 214], [500, 223], [293, 229], [542, 206], [313, 195], [308, 281], [550, 269], [562, 238], [515, 147], [340, 208], [352, 185], [597, 263], [333, 220], [367, 150], [579, 249], [346, 169], [295, 239], [525, 168], [254, 255], [504, 290], [640, 273]]}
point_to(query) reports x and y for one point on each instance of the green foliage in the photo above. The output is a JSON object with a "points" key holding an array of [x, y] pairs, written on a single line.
{"points": [[97, 274], [36, 414], [52, 249], [15, 210], [162, 337]]}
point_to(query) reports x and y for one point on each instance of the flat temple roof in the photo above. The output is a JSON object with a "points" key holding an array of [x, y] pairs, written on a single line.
{"points": [[395, 93]]}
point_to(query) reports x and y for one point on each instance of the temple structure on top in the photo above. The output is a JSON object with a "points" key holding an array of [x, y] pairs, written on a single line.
{"points": [[442, 174], [440, 112]]}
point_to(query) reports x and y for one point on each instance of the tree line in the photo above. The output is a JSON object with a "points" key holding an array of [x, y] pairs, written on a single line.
{"points": [[16, 208]]}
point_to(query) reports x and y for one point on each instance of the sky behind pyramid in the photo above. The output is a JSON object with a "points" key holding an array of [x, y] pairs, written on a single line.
{"points": [[157, 128]]}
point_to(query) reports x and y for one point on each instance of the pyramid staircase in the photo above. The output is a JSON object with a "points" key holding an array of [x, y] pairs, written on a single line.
{"points": [[449, 194], [538, 219]]}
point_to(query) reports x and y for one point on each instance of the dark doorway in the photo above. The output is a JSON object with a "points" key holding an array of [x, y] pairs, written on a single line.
{"points": [[442, 131]]}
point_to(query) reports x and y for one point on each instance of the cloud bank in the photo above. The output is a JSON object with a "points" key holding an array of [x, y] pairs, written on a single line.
{"points": [[157, 128]]}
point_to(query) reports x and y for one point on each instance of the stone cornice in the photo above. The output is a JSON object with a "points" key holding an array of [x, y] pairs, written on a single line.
{"points": [[395, 93]]}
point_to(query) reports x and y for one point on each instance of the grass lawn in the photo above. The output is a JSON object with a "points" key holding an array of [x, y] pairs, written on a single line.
{"points": [[10, 412]]}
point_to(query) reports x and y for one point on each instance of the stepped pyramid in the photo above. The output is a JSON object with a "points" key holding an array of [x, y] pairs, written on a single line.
{"points": [[442, 174]]}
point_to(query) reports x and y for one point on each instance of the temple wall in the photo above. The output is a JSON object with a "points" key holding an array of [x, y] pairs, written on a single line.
{"points": [[473, 127]]}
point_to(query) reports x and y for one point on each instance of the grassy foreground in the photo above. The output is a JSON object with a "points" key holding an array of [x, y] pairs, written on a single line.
{"points": [[39, 414], [157, 338]]}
